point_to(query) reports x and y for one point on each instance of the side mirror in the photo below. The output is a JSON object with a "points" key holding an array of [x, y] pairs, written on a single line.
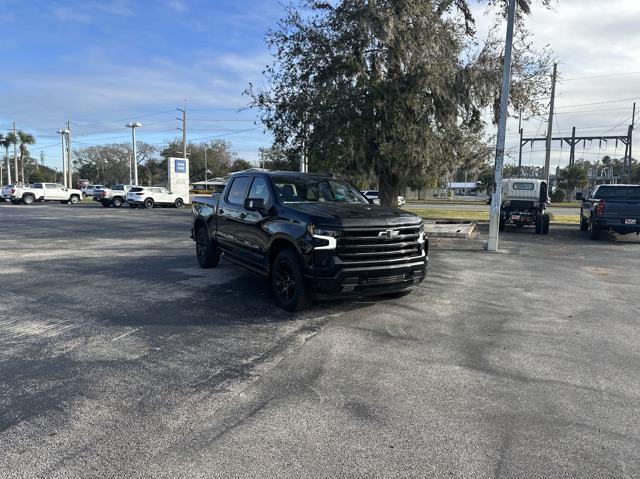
{"points": [[579, 195], [254, 204]]}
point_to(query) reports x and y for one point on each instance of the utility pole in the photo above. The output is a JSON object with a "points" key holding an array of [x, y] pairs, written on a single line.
{"points": [[63, 134], [547, 158], [133, 127], [633, 122], [184, 128], [69, 170], [572, 153], [205, 166], [520, 149], [15, 154], [502, 127]]}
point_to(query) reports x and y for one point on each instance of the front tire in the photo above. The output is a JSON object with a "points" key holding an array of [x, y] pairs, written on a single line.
{"points": [[148, 203], [74, 200], [179, 203], [207, 252], [287, 282]]}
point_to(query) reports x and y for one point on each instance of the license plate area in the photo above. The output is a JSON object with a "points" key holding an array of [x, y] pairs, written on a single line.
{"points": [[516, 217], [630, 221]]}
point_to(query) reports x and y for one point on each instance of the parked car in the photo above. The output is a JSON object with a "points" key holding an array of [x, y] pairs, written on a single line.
{"points": [[41, 192], [89, 189], [115, 196], [313, 235], [374, 196], [149, 196], [524, 203], [613, 208]]}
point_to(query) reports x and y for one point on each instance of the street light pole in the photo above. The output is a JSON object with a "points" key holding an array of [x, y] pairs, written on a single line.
{"points": [[205, 166], [133, 127], [502, 127], [62, 134], [69, 164]]}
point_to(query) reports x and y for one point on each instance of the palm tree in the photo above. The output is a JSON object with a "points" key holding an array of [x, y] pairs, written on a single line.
{"points": [[12, 138], [25, 139], [573, 177], [4, 142]]}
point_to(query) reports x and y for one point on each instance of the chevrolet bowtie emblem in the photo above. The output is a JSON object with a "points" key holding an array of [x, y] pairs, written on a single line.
{"points": [[388, 234]]}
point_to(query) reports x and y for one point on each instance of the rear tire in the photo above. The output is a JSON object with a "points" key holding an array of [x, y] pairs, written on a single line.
{"points": [[502, 223], [546, 220], [287, 282], [539, 224], [117, 202], [584, 224], [148, 203], [207, 252], [594, 231], [16, 202], [179, 203], [28, 199], [105, 204]]}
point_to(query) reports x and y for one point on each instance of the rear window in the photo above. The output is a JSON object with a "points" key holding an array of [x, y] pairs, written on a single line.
{"points": [[611, 193], [634, 193], [523, 186]]}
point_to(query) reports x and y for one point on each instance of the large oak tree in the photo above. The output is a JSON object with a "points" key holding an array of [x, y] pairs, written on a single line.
{"points": [[393, 88]]}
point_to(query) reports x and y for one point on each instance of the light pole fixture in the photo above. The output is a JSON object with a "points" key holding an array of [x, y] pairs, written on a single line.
{"points": [[64, 134], [133, 127]]}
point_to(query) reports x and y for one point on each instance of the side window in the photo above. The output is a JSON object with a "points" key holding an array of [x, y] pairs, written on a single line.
{"points": [[238, 189], [259, 189], [37, 186]]}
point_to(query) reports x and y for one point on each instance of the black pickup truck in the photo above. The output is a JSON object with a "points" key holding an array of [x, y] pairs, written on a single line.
{"points": [[611, 207], [312, 235]]}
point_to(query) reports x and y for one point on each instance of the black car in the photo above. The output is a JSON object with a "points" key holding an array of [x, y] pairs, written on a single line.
{"points": [[313, 235]]}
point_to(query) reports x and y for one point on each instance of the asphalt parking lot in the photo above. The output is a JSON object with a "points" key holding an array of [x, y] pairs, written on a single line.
{"points": [[119, 357]]}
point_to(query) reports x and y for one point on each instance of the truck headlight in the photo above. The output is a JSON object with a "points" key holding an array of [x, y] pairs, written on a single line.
{"points": [[323, 239], [421, 237]]}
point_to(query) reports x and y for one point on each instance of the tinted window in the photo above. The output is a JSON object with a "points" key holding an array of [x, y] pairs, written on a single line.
{"points": [[611, 193], [136, 189], [309, 189], [259, 189], [238, 189], [523, 186], [37, 185], [634, 193]]}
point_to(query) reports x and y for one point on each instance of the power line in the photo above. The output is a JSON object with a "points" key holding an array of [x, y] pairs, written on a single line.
{"points": [[601, 76]]}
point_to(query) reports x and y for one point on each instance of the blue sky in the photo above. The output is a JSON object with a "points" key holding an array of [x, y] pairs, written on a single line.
{"points": [[103, 63]]}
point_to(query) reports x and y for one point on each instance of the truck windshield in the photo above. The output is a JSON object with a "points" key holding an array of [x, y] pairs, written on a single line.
{"points": [[316, 190]]}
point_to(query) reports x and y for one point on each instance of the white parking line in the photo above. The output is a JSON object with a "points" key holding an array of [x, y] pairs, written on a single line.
{"points": [[125, 334]]}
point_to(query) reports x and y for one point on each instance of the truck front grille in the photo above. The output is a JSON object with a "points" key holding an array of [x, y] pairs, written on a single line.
{"points": [[379, 244]]}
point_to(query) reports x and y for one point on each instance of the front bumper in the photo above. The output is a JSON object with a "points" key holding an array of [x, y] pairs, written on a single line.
{"points": [[370, 280]]}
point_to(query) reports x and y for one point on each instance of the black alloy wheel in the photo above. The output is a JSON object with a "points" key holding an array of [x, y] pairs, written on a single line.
{"points": [[207, 253], [287, 282]]}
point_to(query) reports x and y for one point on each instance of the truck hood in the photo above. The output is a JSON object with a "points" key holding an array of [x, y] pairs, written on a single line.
{"points": [[353, 215]]}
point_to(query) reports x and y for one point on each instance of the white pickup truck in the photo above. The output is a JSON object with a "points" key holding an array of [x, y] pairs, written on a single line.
{"points": [[41, 192]]}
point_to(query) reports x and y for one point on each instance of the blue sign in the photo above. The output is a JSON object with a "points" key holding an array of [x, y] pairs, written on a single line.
{"points": [[180, 166]]}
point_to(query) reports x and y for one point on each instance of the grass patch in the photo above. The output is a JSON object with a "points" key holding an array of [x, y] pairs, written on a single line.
{"points": [[457, 215]]}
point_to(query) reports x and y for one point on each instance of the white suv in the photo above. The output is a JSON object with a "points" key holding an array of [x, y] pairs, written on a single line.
{"points": [[90, 189], [149, 196]]}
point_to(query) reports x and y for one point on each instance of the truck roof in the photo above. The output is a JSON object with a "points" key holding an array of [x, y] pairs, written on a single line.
{"points": [[258, 171]]}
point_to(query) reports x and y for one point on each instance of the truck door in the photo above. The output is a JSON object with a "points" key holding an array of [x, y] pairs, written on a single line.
{"points": [[250, 232], [54, 191], [230, 212]]}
